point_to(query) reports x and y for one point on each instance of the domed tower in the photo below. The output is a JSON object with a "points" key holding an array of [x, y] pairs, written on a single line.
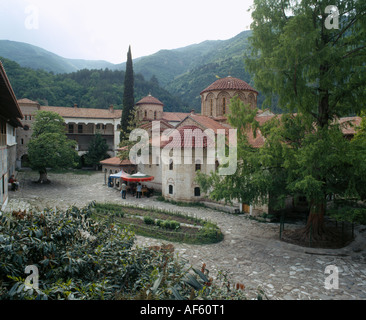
{"points": [[150, 108], [215, 99]]}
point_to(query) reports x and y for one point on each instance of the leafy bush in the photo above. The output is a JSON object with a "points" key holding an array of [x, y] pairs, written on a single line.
{"points": [[159, 222], [148, 220], [170, 224], [210, 233], [79, 258]]}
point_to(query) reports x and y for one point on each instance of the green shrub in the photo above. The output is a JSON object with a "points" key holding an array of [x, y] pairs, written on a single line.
{"points": [[148, 220], [170, 224], [80, 258], [210, 233]]}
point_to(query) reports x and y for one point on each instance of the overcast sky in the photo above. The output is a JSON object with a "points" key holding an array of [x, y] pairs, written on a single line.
{"points": [[103, 29]]}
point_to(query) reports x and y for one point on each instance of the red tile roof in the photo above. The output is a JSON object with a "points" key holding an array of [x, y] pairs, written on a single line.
{"points": [[187, 138], [174, 116], [115, 161], [27, 101], [163, 125], [84, 112], [229, 83], [149, 100], [350, 124], [208, 122]]}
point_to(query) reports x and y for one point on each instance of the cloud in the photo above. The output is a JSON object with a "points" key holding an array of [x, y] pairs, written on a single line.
{"points": [[90, 29]]}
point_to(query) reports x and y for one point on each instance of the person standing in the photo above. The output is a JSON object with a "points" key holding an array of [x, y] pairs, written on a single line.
{"points": [[139, 190], [14, 183], [123, 190]]}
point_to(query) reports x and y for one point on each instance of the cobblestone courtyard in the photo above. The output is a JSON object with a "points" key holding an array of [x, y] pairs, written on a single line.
{"points": [[251, 251]]}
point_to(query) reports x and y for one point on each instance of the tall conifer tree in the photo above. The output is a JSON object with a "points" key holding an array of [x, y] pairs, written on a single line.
{"points": [[128, 97]]}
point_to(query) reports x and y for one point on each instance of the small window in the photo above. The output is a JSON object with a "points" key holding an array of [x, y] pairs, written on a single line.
{"points": [[145, 114], [71, 128], [97, 126], [171, 165], [197, 192], [198, 166], [170, 189], [80, 128], [155, 115]]}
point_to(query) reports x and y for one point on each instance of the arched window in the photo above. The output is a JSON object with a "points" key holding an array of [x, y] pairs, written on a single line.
{"points": [[198, 165], [171, 164], [211, 107], [145, 113], [197, 192], [154, 115], [223, 105], [170, 189]]}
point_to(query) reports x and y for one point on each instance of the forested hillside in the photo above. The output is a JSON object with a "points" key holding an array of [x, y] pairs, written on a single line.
{"points": [[176, 77], [35, 58], [87, 88]]}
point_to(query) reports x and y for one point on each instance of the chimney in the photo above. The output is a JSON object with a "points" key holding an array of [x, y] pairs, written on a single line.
{"points": [[111, 108], [75, 105]]}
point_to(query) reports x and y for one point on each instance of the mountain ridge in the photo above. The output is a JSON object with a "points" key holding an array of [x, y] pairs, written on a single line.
{"points": [[184, 72]]}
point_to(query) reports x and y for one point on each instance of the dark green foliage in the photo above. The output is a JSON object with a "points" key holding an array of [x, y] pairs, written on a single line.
{"points": [[128, 97], [49, 146], [149, 221], [97, 150], [87, 88], [312, 69], [79, 258], [170, 224], [210, 233]]}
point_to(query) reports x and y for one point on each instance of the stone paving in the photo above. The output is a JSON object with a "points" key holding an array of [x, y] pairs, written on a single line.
{"points": [[251, 251]]}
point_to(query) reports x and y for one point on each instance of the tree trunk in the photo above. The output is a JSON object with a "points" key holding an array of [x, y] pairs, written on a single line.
{"points": [[43, 177], [315, 225]]}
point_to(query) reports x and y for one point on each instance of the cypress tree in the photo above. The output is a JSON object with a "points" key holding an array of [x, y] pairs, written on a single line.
{"points": [[128, 98]]}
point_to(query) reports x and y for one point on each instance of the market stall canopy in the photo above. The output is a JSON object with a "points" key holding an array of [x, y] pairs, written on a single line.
{"points": [[120, 174], [138, 177]]}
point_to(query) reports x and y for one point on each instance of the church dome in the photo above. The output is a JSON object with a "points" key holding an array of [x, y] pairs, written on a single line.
{"points": [[229, 83], [150, 100]]}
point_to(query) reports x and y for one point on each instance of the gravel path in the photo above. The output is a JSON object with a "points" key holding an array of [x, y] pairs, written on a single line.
{"points": [[251, 251]]}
